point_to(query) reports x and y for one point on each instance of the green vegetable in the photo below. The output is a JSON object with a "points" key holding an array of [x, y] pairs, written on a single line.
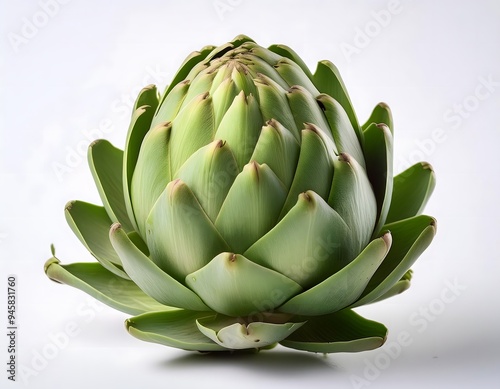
{"points": [[250, 208]]}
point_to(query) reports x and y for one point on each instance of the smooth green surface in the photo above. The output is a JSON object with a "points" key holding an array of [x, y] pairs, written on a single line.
{"points": [[342, 331], [174, 328], [310, 243], [412, 189], [235, 286], [410, 237], [180, 236], [379, 161], [149, 277], [91, 224], [251, 207], [95, 280], [343, 287], [106, 166]]}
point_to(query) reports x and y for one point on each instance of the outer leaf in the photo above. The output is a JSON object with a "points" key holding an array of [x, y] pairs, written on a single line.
{"points": [[228, 285], [106, 165], [314, 168], [344, 135], [180, 236], [145, 107], [294, 75], [174, 328], [327, 79], [237, 336], [412, 190], [379, 161], [210, 173], [287, 52], [189, 63], [352, 197], [152, 173], [342, 331], [149, 277], [170, 107], [278, 149], [240, 127], [191, 129], [306, 109], [251, 207], [103, 285], [310, 243], [410, 238], [199, 86], [274, 104], [380, 114], [222, 97], [343, 287], [91, 223], [259, 67]]}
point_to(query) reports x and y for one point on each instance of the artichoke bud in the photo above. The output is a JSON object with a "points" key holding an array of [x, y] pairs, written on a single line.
{"points": [[249, 199]]}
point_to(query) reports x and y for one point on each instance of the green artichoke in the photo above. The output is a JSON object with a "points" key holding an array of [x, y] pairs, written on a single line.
{"points": [[250, 208]]}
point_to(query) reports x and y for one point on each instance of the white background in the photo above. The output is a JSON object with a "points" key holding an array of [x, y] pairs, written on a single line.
{"points": [[68, 81]]}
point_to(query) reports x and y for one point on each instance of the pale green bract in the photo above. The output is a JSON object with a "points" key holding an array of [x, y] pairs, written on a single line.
{"points": [[250, 208]]}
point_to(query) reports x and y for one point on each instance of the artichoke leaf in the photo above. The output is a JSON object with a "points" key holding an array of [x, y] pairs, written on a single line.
{"points": [[278, 149], [314, 167], [180, 236], [343, 133], [289, 53], [191, 129], [274, 104], [189, 63], [251, 207], [343, 287], [222, 98], [199, 86], [149, 277], [412, 189], [152, 173], [106, 166], [352, 197], [380, 114], [139, 126], [310, 243], [341, 331], [305, 109], [410, 237], [227, 284], [93, 279], [327, 79], [239, 336], [177, 328], [170, 107], [210, 173], [240, 127], [293, 74], [379, 161], [91, 223]]}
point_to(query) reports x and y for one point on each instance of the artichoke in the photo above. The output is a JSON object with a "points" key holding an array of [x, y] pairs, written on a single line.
{"points": [[249, 208]]}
